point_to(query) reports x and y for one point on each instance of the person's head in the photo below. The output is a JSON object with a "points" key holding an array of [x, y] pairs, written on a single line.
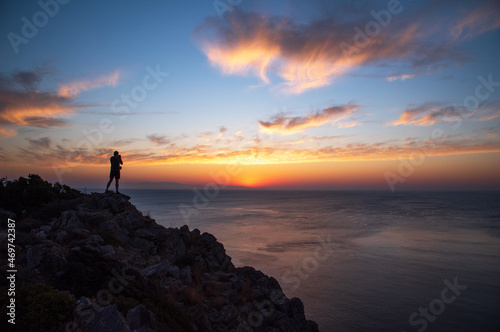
{"points": [[116, 153]]}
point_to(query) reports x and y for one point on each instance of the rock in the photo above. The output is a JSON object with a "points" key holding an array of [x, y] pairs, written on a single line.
{"points": [[4, 214], [46, 228], [108, 226], [107, 250], [142, 244], [34, 256], [132, 221], [159, 270], [174, 271], [61, 237], [145, 234], [195, 234], [69, 220], [42, 235], [140, 318], [108, 319], [185, 275], [102, 246]]}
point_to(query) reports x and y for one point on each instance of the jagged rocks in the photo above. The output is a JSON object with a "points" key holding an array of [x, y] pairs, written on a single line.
{"points": [[122, 264], [69, 220]]}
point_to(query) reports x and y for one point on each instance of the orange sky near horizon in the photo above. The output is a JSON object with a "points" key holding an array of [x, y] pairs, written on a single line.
{"points": [[477, 171]]}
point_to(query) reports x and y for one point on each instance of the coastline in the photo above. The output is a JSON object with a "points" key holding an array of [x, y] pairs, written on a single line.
{"points": [[108, 265]]}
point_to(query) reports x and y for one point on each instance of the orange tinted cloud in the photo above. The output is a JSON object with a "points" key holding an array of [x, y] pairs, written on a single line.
{"points": [[312, 54], [286, 125], [27, 106], [36, 109], [49, 153], [477, 21], [428, 114], [257, 45], [488, 111], [72, 89]]}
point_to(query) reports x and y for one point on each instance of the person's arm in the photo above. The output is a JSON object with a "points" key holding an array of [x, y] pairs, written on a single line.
{"points": [[121, 162]]}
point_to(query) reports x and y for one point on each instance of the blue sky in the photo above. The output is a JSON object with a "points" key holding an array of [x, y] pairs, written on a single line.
{"points": [[260, 84]]}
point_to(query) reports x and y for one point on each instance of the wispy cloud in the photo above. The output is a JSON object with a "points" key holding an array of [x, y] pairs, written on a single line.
{"points": [[308, 55], [488, 110], [287, 125], [22, 104], [399, 77], [159, 139], [428, 114], [477, 21], [32, 108], [43, 142], [72, 89], [50, 152], [4, 156]]}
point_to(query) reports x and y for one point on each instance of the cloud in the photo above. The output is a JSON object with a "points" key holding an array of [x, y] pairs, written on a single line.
{"points": [[32, 108], [311, 54], [206, 133], [74, 88], [123, 142], [430, 113], [287, 125], [22, 104], [43, 142], [488, 111], [4, 156], [159, 139], [66, 154], [399, 77], [212, 136], [323, 138], [29, 79], [477, 21]]}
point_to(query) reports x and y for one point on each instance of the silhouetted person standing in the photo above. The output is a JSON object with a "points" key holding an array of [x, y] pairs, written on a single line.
{"points": [[116, 161]]}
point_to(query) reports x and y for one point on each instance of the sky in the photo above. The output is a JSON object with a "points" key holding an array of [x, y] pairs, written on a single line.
{"points": [[391, 95]]}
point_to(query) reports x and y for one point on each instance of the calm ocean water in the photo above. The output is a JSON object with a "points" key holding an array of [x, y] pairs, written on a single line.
{"points": [[360, 261]]}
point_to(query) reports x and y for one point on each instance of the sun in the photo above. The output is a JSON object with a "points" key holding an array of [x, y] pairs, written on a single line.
{"points": [[250, 181]]}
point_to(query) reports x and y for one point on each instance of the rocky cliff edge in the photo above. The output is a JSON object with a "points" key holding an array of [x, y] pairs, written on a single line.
{"points": [[95, 263]]}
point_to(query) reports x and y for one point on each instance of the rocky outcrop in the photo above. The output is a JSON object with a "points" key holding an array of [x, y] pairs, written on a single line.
{"points": [[127, 273]]}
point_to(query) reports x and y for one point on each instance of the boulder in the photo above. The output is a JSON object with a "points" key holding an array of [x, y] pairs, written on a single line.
{"points": [[108, 319], [140, 318], [159, 270], [107, 250], [69, 220]]}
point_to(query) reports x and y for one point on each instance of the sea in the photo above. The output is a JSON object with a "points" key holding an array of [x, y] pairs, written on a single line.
{"points": [[359, 260]]}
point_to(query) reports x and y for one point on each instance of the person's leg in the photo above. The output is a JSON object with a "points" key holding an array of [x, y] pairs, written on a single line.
{"points": [[109, 183], [117, 184]]}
